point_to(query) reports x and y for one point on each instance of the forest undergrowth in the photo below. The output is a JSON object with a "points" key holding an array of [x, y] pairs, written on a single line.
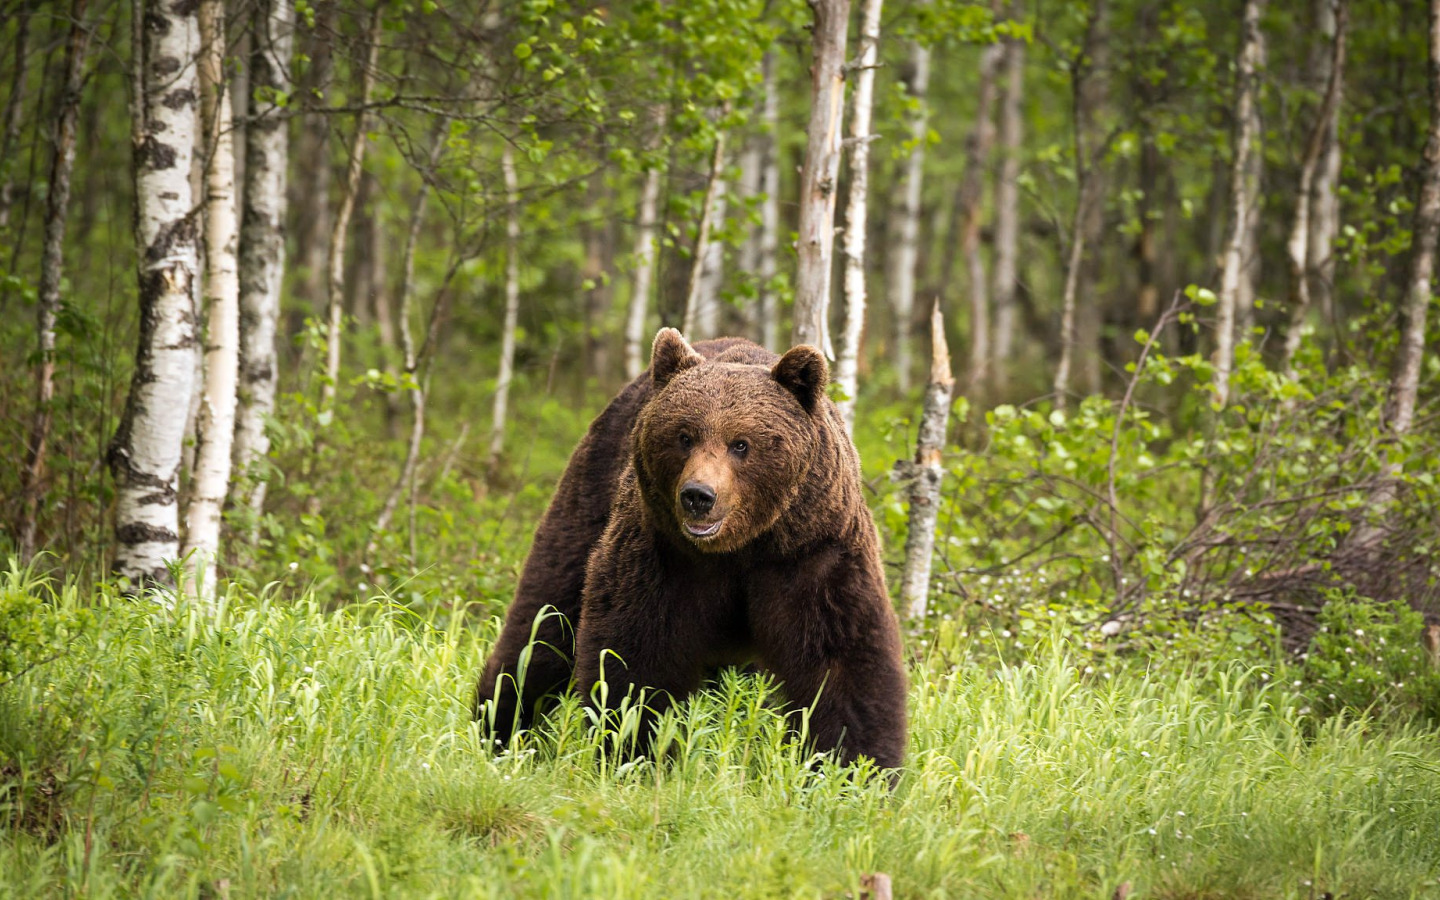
{"points": [[272, 747]]}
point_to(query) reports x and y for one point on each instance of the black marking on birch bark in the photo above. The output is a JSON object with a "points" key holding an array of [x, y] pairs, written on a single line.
{"points": [[178, 99], [165, 66], [185, 7], [178, 233], [155, 155], [257, 371], [133, 533], [156, 23]]}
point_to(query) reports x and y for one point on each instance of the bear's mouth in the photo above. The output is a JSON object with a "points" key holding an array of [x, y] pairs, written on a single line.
{"points": [[704, 530]]}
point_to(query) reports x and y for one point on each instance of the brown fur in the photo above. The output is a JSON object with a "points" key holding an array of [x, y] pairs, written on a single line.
{"points": [[790, 575]]}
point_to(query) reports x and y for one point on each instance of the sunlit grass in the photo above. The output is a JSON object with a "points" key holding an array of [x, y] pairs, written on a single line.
{"points": [[272, 748]]}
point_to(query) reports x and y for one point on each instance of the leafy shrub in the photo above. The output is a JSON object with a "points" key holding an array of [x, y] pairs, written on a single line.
{"points": [[1367, 656]]}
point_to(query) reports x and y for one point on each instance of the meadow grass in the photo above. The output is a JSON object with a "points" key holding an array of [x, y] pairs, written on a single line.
{"points": [[272, 748]]}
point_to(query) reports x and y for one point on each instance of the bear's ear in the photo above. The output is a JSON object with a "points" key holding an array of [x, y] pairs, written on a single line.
{"points": [[803, 372], [670, 356]]}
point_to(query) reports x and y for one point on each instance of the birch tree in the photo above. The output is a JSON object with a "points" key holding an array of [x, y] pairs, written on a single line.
{"points": [[820, 174], [1007, 207], [701, 314], [215, 430], [926, 473], [645, 256], [1242, 196], [905, 254], [1301, 241], [262, 241], [144, 455], [57, 204], [512, 307], [1325, 213], [769, 241], [847, 365], [335, 311], [1419, 292]]}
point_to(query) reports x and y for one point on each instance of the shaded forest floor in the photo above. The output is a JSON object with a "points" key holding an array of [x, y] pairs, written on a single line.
{"points": [[278, 749]]}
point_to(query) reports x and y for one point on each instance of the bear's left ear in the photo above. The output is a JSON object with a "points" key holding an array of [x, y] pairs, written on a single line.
{"points": [[671, 355], [803, 372]]}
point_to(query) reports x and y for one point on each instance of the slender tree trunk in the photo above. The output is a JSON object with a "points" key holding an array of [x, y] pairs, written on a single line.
{"points": [[413, 361], [747, 261], [1091, 104], [382, 309], [700, 312], [906, 253], [645, 256], [1325, 212], [215, 432], [512, 308], [1299, 245], [926, 473], [819, 179], [708, 316], [847, 365], [969, 212], [1007, 208], [769, 245], [598, 234], [144, 455], [312, 198], [262, 242], [14, 105], [1405, 375], [341, 227], [1251, 263], [57, 203], [1241, 197], [1079, 314]]}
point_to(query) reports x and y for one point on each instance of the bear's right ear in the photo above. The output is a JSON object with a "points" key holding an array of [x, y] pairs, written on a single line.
{"points": [[670, 356], [803, 372]]}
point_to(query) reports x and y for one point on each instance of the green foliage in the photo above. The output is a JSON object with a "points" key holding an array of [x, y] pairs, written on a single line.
{"points": [[36, 626], [1366, 657]]}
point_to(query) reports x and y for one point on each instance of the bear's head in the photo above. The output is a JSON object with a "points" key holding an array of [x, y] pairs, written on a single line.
{"points": [[724, 445]]}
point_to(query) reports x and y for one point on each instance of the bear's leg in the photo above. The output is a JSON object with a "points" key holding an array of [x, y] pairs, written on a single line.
{"points": [[835, 648], [530, 665]]}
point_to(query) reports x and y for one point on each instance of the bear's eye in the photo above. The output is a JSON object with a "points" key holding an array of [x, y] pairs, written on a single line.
{"points": [[739, 448], [686, 442]]}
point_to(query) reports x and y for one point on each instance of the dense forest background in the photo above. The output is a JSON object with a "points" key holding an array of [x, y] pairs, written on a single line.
{"points": [[305, 303]]}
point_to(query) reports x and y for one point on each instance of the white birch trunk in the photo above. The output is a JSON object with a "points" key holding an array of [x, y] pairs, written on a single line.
{"points": [[712, 273], [1405, 375], [645, 256], [906, 253], [1007, 210], [215, 431], [1241, 197], [512, 307], [819, 179], [1325, 203], [927, 471], [847, 364], [747, 261], [699, 311], [144, 456], [1302, 231], [52, 262], [1061, 386], [339, 231], [769, 246], [262, 242]]}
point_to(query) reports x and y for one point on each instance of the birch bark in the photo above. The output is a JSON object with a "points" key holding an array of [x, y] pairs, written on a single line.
{"points": [[769, 245], [926, 473], [1241, 198], [972, 190], [262, 242], [906, 253], [819, 177], [700, 312], [144, 455], [512, 307], [215, 430], [1325, 215], [645, 255], [847, 364]]}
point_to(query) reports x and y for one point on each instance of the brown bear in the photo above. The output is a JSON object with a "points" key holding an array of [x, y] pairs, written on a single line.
{"points": [[712, 515]]}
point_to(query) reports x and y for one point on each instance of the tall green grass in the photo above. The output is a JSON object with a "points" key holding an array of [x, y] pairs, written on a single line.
{"points": [[273, 748]]}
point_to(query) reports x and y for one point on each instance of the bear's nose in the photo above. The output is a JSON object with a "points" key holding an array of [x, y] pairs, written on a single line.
{"points": [[697, 498]]}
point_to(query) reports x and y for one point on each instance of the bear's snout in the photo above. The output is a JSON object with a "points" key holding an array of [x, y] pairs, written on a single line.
{"points": [[697, 499]]}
